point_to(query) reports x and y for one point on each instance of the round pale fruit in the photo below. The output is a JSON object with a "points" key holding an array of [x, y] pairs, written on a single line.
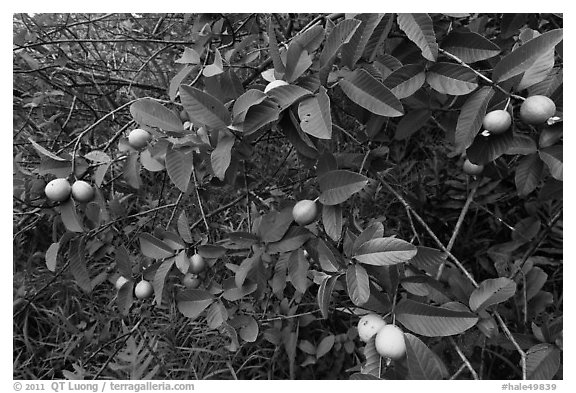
{"points": [[82, 191], [497, 122], [191, 281], [197, 264], [537, 109], [274, 84], [120, 282], [369, 325], [143, 290], [390, 342], [305, 212], [58, 190], [138, 138], [471, 168]]}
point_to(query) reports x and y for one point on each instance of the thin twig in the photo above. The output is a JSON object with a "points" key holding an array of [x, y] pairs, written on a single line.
{"points": [[514, 342], [464, 359], [174, 210], [200, 203], [458, 226]]}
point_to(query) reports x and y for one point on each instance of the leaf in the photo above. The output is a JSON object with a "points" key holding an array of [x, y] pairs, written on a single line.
{"points": [[332, 221], [244, 102], [179, 166], [453, 79], [528, 174], [233, 293], [315, 117], [69, 216], [521, 144], [358, 284], [325, 294], [78, 266], [486, 149], [160, 279], [148, 112], [149, 163], [542, 362], [190, 56], [123, 262], [211, 251], [378, 37], [298, 271], [245, 267], [353, 50], [258, 116], [339, 185], [406, 80], [216, 315], [411, 122], [340, 35], [373, 231], [204, 108], [52, 256], [523, 57], [177, 80], [153, 247], [274, 225], [132, 171], [431, 321], [420, 30], [325, 346], [248, 327], [471, 116], [273, 49], [538, 71], [125, 297], [292, 240], [366, 91], [469, 47], [373, 363], [421, 361], [221, 156], [328, 259], [285, 96], [385, 251], [492, 291], [184, 227], [215, 68], [552, 157], [297, 61], [192, 302], [42, 152], [428, 259]]}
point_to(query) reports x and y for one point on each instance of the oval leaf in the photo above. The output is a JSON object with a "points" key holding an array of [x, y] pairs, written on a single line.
{"points": [[332, 221], [192, 302], [385, 251], [153, 247], [523, 57], [368, 92], [324, 294], [222, 155], [315, 117], [492, 291], [542, 362], [204, 108], [471, 116], [552, 157], [179, 167], [420, 30], [287, 95], [486, 149], [528, 174], [148, 112], [453, 79], [433, 321], [337, 186], [421, 361], [358, 284], [160, 279], [406, 80], [469, 46], [69, 216]]}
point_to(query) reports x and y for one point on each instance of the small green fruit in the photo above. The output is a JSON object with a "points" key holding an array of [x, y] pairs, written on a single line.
{"points": [[537, 110], [197, 264], [304, 212], [58, 190], [497, 122]]}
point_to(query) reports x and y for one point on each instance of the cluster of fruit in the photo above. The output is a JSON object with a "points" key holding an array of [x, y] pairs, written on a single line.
{"points": [[59, 190], [190, 280], [389, 341], [535, 110]]}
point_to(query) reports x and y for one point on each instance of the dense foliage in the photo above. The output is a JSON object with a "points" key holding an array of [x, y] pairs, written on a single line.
{"points": [[430, 214]]}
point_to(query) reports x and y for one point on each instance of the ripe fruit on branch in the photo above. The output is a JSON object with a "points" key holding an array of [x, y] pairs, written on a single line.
{"points": [[120, 282], [471, 168], [304, 212], [390, 342], [138, 138], [197, 264], [497, 122], [369, 325], [537, 109], [143, 290], [191, 281], [274, 84], [58, 190], [82, 191]]}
